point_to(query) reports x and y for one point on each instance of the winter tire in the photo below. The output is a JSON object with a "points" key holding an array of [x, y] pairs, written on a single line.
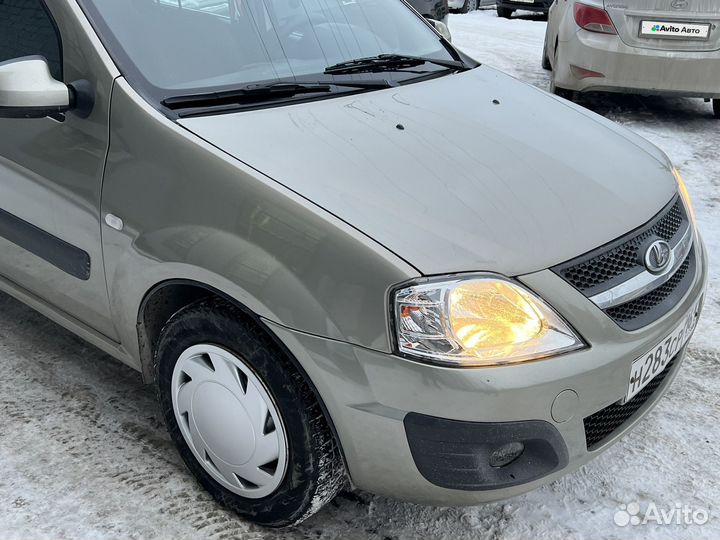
{"points": [[244, 419]]}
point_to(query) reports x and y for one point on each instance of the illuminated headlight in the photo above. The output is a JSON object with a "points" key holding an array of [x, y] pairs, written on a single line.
{"points": [[483, 320]]}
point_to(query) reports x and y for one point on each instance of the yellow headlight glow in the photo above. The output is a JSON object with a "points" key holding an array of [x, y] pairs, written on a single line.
{"points": [[684, 194], [479, 320], [492, 314]]}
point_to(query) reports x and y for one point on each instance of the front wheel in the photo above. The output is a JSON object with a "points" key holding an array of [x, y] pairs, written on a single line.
{"points": [[716, 107], [244, 419], [504, 12]]}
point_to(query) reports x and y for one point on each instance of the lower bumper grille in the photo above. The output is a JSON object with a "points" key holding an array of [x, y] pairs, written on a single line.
{"points": [[602, 424], [455, 454]]}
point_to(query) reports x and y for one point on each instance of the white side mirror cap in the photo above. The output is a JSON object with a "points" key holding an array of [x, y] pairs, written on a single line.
{"points": [[28, 90]]}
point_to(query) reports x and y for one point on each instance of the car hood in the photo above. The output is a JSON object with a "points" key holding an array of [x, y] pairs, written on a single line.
{"points": [[469, 172]]}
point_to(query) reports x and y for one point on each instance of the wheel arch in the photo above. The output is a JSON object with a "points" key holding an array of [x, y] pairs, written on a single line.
{"points": [[166, 298]]}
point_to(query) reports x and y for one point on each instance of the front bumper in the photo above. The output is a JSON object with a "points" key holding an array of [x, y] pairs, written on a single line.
{"points": [[634, 70], [370, 396]]}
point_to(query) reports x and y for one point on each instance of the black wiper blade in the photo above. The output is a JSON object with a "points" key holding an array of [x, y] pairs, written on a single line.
{"points": [[369, 84], [248, 94], [265, 92], [390, 62]]}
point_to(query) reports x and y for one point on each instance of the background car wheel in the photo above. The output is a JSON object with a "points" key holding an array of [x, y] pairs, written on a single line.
{"points": [[716, 107], [244, 419], [504, 12], [468, 6], [545, 60]]}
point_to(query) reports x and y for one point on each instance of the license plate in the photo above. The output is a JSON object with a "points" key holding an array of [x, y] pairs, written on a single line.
{"points": [[677, 30], [654, 362]]}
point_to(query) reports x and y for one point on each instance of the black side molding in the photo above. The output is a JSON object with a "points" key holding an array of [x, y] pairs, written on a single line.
{"points": [[66, 257], [458, 455]]}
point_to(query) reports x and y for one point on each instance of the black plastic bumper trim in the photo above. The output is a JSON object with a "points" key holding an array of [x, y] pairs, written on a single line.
{"points": [[456, 455]]}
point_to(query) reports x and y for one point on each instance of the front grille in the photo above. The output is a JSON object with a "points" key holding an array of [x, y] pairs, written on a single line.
{"points": [[624, 313], [601, 269], [613, 264], [604, 423]]}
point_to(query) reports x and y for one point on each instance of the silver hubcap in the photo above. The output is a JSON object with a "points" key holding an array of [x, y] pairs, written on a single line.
{"points": [[229, 421]]}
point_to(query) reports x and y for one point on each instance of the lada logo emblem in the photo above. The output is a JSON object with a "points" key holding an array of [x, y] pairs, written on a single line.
{"points": [[658, 256]]}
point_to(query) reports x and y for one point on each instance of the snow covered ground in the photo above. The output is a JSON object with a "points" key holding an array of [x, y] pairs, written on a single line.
{"points": [[83, 453]]}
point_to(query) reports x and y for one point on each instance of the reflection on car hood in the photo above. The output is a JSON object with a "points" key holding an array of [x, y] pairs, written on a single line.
{"points": [[488, 173]]}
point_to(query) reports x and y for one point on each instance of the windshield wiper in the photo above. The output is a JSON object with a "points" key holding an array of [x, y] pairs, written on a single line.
{"points": [[257, 93], [247, 94], [390, 62]]}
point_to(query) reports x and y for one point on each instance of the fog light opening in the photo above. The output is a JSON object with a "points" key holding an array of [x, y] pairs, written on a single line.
{"points": [[506, 454]]}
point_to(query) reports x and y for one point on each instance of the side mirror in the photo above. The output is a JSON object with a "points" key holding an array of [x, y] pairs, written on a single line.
{"points": [[28, 90], [441, 29]]}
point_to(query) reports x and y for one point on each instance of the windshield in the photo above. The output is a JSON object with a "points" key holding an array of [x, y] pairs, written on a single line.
{"points": [[184, 46]]}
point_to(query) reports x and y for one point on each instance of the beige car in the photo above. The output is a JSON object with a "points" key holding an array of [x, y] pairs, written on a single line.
{"points": [[653, 47], [273, 211]]}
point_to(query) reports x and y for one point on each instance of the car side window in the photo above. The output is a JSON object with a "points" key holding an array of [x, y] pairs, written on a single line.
{"points": [[26, 28]]}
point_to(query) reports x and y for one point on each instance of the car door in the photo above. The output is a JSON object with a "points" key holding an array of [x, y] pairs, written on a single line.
{"points": [[51, 169]]}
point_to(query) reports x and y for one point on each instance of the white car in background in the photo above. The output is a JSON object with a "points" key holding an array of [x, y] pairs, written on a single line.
{"points": [[652, 47]]}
